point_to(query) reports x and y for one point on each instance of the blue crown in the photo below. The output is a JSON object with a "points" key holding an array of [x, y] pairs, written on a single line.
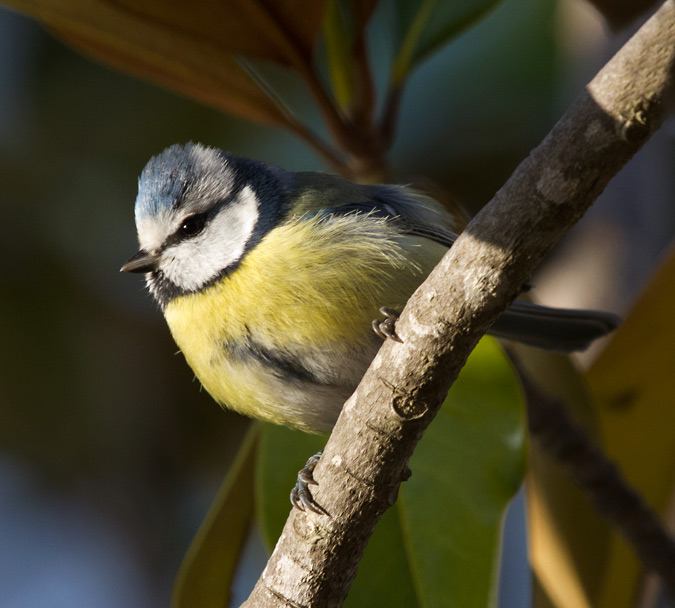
{"points": [[168, 175]]}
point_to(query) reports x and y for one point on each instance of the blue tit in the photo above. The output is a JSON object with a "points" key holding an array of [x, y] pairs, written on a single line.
{"points": [[269, 280]]}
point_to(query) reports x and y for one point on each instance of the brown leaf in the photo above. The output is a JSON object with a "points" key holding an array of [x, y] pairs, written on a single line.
{"points": [[280, 30], [191, 48]]}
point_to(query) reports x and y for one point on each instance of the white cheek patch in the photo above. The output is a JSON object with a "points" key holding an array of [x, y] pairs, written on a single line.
{"points": [[194, 262]]}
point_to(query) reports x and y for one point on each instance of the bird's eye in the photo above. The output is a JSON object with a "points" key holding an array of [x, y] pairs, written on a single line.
{"points": [[193, 225]]}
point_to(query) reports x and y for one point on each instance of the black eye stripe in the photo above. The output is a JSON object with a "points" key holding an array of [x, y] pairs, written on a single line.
{"points": [[190, 226], [197, 222]]}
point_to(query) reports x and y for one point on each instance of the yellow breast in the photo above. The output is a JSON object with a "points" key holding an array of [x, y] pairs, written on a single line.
{"points": [[309, 290]]}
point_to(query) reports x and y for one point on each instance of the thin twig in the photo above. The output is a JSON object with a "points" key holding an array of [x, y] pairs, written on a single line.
{"points": [[568, 444], [302, 62], [365, 89], [331, 156], [390, 114]]}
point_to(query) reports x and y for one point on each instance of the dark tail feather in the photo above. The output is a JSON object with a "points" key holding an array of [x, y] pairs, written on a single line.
{"points": [[557, 329]]}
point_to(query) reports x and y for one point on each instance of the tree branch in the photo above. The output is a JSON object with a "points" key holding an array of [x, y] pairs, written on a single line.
{"points": [[366, 458], [569, 445]]}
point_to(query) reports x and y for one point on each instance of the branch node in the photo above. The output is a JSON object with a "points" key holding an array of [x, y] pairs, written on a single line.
{"points": [[635, 127], [406, 408], [404, 403]]}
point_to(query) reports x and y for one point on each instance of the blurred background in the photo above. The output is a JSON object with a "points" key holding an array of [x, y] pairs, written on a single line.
{"points": [[109, 452]]}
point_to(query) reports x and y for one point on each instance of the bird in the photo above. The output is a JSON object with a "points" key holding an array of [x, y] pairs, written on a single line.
{"points": [[270, 280]]}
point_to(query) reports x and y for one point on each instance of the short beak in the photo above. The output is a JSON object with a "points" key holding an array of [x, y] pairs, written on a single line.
{"points": [[141, 262]]}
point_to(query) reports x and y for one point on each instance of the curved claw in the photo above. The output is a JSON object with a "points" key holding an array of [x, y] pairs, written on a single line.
{"points": [[301, 496], [387, 328]]}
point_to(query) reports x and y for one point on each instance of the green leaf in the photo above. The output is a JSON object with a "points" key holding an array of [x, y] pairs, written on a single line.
{"points": [[423, 27], [283, 452], [384, 577], [205, 575], [440, 544], [344, 23], [338, 31], [465, 471]]}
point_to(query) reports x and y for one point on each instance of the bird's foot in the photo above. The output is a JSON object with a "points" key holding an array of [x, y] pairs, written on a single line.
{"points": [[387, 328], [301, 496]]}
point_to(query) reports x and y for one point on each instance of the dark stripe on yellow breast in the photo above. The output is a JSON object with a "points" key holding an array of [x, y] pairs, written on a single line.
{"points": [[280, 362]]}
